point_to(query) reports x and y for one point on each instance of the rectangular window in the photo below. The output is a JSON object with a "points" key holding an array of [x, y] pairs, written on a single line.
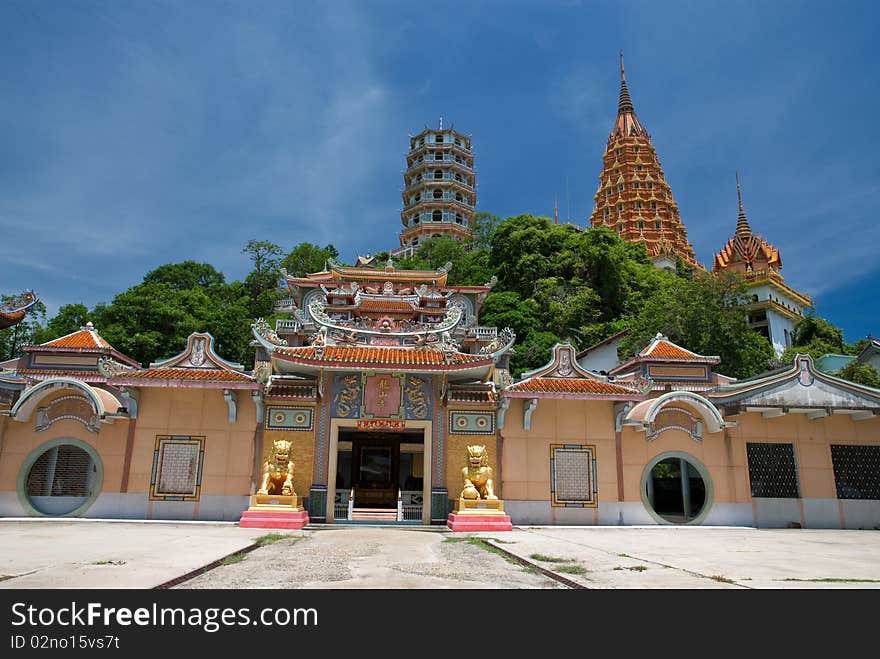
{"points": [[856, 471], [177, 468], [573, 476], [772, 470]]}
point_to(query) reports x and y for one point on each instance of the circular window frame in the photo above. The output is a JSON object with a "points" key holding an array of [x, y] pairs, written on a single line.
{"points": [[21, 485], [704, 474]]}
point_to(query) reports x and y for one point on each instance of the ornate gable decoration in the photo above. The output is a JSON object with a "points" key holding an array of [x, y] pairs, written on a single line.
{"points": [[199, 353], [800, 388], [563, 364]]}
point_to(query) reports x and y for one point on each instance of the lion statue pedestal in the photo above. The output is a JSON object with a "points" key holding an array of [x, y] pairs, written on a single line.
{"points": [[275, 505], [478, 508]]}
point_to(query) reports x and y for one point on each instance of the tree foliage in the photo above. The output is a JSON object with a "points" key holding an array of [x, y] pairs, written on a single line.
{"points": [[861, 374]]}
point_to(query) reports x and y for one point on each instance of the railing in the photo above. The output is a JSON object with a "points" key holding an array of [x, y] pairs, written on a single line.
{"points": [[351, 503], [287, 326], [399, 506], [483, 332], [285, 304], [410, 513]]}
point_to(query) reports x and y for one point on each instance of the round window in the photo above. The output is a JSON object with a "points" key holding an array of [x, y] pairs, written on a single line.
{"points": [[676, 489], [61, 479]]}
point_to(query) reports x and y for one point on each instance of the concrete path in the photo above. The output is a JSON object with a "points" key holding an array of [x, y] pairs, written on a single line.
{"points": [[704, 557], [105, 554], [109, 554]]}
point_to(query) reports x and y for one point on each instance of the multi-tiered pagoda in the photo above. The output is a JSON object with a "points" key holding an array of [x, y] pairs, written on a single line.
{"points": [[633, 197], [439, 193]]}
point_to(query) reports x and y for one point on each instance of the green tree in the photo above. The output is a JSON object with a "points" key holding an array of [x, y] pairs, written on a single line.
{"points": [[307, 258], [705, 316], [861, 374], [186, 275], [69, 319], [27, 332], [815, 336]]}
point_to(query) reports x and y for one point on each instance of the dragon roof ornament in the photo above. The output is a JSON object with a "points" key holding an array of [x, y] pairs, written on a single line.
{"points": [[266, 336], [500, 344], [452, 318]]}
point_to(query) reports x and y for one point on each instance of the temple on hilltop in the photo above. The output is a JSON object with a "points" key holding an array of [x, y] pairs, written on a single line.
{"points": [[439, 188], [377, 397], [634, 198], [775, 308]]}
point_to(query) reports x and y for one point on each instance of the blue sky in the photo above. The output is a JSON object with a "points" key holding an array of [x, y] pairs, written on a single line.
{"points": [[139, 133]]}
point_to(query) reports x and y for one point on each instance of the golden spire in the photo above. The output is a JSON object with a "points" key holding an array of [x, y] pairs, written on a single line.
{"points": [[625, 104], [742, 224]]}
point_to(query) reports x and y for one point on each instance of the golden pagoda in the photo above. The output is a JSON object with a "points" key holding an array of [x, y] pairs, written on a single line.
{"points": [[633, 197], [775, 308]]}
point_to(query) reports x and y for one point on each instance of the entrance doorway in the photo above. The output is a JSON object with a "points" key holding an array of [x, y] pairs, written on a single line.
{"points": [[379, 476], [676, 489]]}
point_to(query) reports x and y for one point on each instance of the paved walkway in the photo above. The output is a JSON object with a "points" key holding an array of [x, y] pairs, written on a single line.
{"points": [[105, 554]]}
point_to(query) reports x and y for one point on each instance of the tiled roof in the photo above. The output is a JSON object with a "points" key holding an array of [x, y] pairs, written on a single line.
{"points": [[203, 374], [42, 373], [748, 249], [570, 386], [385, 306], [667, 349], [84, 338], [383, 355]]}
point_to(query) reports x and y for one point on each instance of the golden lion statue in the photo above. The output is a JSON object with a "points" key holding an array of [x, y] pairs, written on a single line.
{"points": [[277, 469], [479, 477]]}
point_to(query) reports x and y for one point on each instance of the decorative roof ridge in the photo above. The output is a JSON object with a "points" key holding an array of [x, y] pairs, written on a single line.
{"points": [[199, 354], [802, 367]]}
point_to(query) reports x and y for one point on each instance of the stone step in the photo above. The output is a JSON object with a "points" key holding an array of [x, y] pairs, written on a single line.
{"points": [[374, 514]]}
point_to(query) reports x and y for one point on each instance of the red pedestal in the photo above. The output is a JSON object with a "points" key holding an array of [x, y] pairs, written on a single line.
{"points": [[273, 519], [471, 522]]}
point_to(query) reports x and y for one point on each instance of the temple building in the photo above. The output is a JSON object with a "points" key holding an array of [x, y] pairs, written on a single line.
{"points": [[775, 308], [379, 408], [633, 197], [439, 188], [381, 378]]}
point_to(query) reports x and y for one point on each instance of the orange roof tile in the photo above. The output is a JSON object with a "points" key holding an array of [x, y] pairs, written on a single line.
{"points": [[570, 386], [385, 306], [204, 374], [664, 348], [84, 338], [383, 355], [84, 374]]}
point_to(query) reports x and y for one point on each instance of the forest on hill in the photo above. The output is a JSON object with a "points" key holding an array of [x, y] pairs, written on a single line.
{"points": [[554, 283]]}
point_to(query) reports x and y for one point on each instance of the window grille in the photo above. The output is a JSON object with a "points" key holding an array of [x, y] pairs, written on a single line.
{"points": [[856, 471], [772, 470], [177, 468], [573, 475], [62, 471]]}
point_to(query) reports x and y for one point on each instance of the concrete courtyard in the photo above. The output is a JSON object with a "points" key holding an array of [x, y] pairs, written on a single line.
{"points": [[121, 554]]}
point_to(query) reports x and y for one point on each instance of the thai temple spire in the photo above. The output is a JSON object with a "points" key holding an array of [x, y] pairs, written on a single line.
{"points": [[625, 104], [742, 224], [776, 307], [634, 198]]}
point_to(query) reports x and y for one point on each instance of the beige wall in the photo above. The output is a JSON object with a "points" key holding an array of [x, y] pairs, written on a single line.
{"points": [[228, 460], [812, 441], [526, 453], [21, 437]]}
